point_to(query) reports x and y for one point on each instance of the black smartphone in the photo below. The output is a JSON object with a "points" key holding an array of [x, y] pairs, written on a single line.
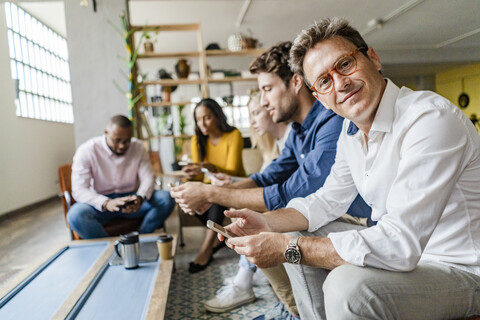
{"points": [[127, 203]]}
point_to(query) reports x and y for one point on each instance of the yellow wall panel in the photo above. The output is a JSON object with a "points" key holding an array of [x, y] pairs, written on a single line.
{"points": [[452, 83], [472, 86], [450, 89]]}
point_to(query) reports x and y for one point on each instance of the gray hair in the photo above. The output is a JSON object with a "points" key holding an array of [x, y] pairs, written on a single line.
{"points": [[319, 31]]}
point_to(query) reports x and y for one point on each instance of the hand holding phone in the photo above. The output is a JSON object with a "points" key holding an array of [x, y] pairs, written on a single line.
{"points": [[129, 202], [218, 228], [208, 173], [131, 205]]}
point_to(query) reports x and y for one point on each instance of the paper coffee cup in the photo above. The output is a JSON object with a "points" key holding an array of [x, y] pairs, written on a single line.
{"points": [[164, 245]]}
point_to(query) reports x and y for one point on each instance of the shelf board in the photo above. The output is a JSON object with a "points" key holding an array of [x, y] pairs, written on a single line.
{"points": [[244, 52], [156, 55], [182, 136], [231, 79], [167, 27], [166, 104], [168, 82]]}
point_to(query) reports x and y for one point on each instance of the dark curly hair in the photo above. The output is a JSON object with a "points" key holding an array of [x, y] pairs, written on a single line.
{"points": [[275, 60], [220, 119]]}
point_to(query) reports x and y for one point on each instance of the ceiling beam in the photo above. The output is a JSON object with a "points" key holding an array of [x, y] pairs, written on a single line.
{"points": [[243, 13]]}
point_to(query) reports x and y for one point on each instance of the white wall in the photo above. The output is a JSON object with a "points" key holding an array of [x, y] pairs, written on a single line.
{"points": [[94, 48], [30, 150]]}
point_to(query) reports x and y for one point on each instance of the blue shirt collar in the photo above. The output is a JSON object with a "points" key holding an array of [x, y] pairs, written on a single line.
{"points": [[352, 129], [300, 129]]}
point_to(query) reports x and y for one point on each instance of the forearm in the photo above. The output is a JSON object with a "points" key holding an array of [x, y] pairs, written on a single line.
{"points": [[286, 220], [89, 196], [243, 184], [251, 198], [319, 252]]}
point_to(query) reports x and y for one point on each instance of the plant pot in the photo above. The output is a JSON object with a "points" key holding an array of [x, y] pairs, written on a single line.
{"points": [[148, 46], [249, 43]]}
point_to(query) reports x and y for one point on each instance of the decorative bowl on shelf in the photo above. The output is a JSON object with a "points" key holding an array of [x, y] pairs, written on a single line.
{"points": [[213, 46]]}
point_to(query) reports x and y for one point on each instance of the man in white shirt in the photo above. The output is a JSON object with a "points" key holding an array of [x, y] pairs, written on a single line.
{"points": [[415, 159], [112, 177]]}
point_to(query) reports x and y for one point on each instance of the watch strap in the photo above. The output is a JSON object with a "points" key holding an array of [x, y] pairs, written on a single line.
{"points": [[293, 243]]}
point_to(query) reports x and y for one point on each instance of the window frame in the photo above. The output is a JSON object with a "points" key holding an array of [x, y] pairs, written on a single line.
{"points": [[39, 67]]}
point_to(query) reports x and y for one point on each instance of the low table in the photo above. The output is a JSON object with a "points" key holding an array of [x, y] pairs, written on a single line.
{"points": [[80, 282]]}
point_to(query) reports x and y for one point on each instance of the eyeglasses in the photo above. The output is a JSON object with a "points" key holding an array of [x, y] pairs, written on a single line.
{"points": [[344, 66]]}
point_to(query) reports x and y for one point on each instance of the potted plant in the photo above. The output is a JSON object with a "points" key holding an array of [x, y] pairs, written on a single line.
{"points": [[149, 41]]}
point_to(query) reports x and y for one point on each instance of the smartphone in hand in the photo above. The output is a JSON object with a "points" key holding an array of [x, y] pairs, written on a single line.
{"points": [[126, 204], [218, 228], [207, 173]]}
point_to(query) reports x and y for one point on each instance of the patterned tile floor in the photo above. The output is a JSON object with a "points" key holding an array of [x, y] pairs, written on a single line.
{"points": [[188, 291]]}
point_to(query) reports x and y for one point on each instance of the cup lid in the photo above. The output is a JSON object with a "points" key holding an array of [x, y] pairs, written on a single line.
{"points": [[131, 237], [165, 238]]}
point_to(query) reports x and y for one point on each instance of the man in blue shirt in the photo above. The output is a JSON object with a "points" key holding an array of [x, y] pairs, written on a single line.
{"points": [[304, 163], [306, 159]]}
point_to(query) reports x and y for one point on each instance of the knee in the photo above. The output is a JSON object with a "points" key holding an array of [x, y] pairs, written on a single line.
{"points": [[77, 213], [345, 289], [162, 198]]}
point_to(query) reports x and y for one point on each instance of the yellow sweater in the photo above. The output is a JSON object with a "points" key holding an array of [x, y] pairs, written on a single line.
{"points": [[226, 155]]}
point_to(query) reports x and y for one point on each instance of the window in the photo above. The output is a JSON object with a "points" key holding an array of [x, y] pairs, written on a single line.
{"points": [[39, 66], [237, 112]]}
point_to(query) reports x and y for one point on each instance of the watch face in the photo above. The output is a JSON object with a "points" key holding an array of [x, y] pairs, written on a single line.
{"points": [[292, 255]]}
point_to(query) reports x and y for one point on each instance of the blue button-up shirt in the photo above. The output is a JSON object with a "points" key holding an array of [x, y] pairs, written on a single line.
{"points": [[305, 162]]}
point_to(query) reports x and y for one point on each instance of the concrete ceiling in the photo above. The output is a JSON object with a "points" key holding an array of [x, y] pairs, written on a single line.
{"points": [[412, 37]]}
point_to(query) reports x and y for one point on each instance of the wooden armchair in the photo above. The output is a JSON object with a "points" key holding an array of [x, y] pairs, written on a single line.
{"points": [[113, 228]]}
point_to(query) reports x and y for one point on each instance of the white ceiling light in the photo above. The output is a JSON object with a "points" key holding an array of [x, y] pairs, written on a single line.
{"points": [[376, 24]]}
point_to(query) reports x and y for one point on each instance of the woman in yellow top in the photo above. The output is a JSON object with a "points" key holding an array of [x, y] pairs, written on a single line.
{"points": [[216, 146]]}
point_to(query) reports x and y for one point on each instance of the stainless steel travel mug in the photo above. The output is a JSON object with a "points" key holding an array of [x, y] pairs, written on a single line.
{"points": [[128, 249]]}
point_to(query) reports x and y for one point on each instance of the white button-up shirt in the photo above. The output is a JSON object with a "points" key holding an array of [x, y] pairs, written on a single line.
{"points": [[419, 170], [97, 171]]}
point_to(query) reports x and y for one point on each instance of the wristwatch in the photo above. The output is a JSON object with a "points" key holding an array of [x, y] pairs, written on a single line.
{"points": [[292, 253]]}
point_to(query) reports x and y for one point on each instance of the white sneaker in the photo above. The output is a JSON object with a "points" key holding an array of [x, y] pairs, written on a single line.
{"points": [[259, 280], [228, 281], [229, 297]]}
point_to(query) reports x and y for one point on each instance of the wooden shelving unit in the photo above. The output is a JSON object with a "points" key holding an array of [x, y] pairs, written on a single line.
{"points": [[203, 80], [231, 79], [158, 55]]}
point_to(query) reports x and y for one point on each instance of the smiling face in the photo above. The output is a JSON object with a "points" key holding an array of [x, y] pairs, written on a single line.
{"points": [[206, 121], [279, 100], [356, 96], [118, 139], [259, 118]]}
